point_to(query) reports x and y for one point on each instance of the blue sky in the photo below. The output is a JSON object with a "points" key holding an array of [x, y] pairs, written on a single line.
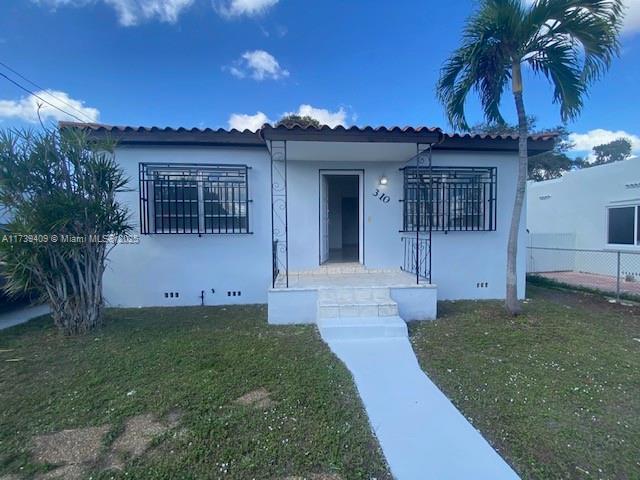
{"points": [[225, 63]]}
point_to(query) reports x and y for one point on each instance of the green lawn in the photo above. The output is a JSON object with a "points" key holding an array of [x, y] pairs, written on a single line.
{"points": [[556, 390], [196, 362]]}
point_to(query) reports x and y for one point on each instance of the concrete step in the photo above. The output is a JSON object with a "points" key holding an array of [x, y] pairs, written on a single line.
{"points": [[362, 328], [355, 310], [354, 295]]}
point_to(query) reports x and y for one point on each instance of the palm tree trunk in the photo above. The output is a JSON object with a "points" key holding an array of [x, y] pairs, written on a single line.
{"points": [[512, 303]]}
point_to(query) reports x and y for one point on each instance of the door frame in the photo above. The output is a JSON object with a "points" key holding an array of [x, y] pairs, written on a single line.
{"points": [[348, 172]]}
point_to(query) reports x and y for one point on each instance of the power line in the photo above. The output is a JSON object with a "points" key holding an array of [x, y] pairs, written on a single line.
{"points": [[40, 98], [45, 90]]}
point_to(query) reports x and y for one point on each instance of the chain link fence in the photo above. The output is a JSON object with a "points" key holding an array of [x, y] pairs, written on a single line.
{"points": [[609, 271]]}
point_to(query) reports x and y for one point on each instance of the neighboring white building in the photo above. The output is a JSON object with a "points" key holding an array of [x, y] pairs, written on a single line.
{"points": [[239, 217], [595, 208]]}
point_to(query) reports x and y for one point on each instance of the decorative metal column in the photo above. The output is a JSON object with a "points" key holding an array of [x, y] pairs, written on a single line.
{"points": [[279, 217], [424, 166]]}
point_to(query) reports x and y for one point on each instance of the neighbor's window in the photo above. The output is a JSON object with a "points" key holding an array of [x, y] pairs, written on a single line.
{"points": [[449, 198], [180, 198], [623, 225]]}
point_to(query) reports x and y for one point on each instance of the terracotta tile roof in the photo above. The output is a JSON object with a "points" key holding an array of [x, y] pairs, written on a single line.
{"points": [[221, 136], [486, 136], [354, 128]]}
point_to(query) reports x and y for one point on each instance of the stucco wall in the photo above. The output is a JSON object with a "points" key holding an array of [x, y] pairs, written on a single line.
{"points": [[576, 205], [138, 275]]}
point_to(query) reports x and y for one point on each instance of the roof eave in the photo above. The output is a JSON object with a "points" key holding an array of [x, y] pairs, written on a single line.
{"points": [[340, 134], [169, 136], [535, 146]]}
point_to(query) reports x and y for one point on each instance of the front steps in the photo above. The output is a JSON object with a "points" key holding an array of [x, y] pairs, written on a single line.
{"points": [[348, 291], [358, 313]]}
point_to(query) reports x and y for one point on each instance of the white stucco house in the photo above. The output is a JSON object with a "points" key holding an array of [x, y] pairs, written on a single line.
{"points": [[597, 206], [579, 222], [316, 222]]}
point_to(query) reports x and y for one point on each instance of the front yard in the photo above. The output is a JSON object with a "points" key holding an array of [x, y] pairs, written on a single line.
{"points": [[556, 390], [180, 393], [217, 393]]}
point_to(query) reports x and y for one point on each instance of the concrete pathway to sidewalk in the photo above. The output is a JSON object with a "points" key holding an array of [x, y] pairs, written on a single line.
{"points": [[21, 315], [423, 436]]}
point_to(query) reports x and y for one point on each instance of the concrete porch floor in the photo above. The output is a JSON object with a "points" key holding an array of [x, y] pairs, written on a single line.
{"points": [[352, 274]]}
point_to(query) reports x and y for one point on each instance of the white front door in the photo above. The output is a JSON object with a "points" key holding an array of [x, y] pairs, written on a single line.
{"points": [[324, 218]]}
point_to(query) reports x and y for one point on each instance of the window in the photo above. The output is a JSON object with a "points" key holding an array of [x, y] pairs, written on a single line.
{"points": [[623, 225], [449, 198], [181, 198]]}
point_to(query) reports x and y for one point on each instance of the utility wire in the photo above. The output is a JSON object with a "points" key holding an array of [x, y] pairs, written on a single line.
{"points": [[40, 98], [45, 90]]}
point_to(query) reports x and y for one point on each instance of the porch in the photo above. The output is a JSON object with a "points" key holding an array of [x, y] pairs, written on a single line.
{"points": [[348, 296]]}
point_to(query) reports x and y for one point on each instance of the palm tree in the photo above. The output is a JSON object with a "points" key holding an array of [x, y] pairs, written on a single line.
{"points": [[571, 43]]}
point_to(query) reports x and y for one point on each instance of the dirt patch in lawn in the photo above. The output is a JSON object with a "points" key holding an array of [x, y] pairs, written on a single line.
{"points": [[259, 398], [81, 445], [76, 451], [139, 432], [66, 472]]}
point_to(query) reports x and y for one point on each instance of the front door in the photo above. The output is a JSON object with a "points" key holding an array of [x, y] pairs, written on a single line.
{"points": [[341, 226], [324, 218]]}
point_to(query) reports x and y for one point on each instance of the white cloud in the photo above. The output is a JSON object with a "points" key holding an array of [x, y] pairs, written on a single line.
{"points": [[26, 108], [631, 22], [258, 65], [324, 116], [632, 17], [243, 121], [237, 8], [132, 12], [584, 142]]}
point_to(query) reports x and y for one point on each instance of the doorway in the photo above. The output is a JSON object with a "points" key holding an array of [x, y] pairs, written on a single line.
{"points": [[340, 217]]}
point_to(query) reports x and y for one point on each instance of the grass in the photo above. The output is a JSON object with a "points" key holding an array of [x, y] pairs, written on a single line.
{"points": [[542, 281], [555, 390], [196, 361]]}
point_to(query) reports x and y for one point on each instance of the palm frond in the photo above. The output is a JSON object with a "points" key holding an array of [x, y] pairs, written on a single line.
{"points": [[558, 62], [570, 42], [591, 27], [481, 64]]}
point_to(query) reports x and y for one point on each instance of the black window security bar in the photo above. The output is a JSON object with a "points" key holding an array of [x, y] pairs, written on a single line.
{"points": [[449, 199], [194, 198]]}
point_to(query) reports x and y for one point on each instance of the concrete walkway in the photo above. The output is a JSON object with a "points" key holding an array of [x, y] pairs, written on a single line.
{"points": [[21, 315], [423, 436]]}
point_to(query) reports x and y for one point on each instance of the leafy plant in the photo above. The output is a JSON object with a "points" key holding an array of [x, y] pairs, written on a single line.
{"points": [[543, 166], [294, 120], [571, 43], [615, 151], [60, 189]]}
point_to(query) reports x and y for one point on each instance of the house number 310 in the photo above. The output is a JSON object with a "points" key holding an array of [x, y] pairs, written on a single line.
{"points": [[383, 197]]}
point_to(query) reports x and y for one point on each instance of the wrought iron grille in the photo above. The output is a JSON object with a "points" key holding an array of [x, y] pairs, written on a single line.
{"points": [[186, 198], [417, 258], [449, 198], [279, 215]]}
